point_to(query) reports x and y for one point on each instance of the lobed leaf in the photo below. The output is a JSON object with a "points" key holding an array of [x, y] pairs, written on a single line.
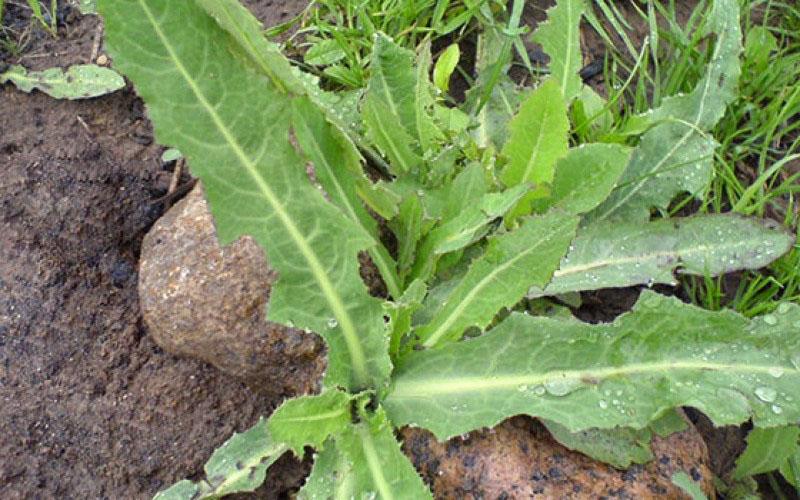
{"points": [[337, 166], [310, 420], [559, 37], [231, 123], [607, 255], [661, 355], [239, 465], [501, 276], [81, 81], [675, 155]]}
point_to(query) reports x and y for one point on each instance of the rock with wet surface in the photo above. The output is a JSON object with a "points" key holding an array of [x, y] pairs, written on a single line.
{"points": [[519, 459], [210, 302]]}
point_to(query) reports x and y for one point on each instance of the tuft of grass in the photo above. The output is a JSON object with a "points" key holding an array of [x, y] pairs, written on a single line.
{"points": [[757, 166], [336, 36]]}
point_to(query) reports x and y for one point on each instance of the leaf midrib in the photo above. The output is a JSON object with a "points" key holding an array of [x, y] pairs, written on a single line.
{"points": [[464, 304], [374, 463], [337, 306], [415, 389]]}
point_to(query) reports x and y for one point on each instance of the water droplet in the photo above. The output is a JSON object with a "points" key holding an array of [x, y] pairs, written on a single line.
{"points": [[766, 394], [522, 388], [332, 323], [539, 390], [770, 320], [777, 409], [776, 371], [562, 386], [784, 308], [602, 404]]}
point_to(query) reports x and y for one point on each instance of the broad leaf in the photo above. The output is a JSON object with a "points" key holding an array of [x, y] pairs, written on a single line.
{"points": [[310, 420], [511, 264], [662, 355], [232, 126], [767, 449], [559, 37], [538, 139], [586, 176], [234, 18], [239, 465], [81, 81], [394, 106], [676, 155], [445, 66], [606, 255], [366, 462], [619, 447], [337, 166]]}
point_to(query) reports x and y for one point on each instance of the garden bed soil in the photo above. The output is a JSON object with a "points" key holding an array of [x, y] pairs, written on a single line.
{"points": [[91, 407]]}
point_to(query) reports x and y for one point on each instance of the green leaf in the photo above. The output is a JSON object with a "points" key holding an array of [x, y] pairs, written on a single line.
{"points": [[559, 37], [607, 255], [365, 462], [538, 139], [247, 31], [767, 449], [790, 469], [379, 466], [324, 53], [617, 447], [662, 355], [171, 154], [393, 107], [239, 465], [682, 480], [621, 446], [331, 477], [511, 264], [445, 67], [586, 176], [401, 313], [81, 81], [337, 166], [676, 155], [232, 125], [310, 420], [408, 228]]}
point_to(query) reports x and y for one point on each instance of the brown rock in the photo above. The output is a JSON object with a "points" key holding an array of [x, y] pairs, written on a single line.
{"points": [[209, 302], [519, 459]]}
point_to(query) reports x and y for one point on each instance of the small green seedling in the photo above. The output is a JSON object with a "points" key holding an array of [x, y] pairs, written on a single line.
{"points": [[492, 209]]}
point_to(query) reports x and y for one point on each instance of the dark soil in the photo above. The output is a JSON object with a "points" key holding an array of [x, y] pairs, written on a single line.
{"points": [[91, 408]]}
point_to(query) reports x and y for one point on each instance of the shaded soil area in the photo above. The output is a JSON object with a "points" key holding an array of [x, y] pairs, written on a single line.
{"points": [[91, 407]]}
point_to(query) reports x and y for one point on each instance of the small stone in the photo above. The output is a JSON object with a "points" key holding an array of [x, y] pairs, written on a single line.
{"points": [[210, 303], [102, 60]]}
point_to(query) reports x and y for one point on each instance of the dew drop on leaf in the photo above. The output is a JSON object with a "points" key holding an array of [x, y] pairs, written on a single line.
{"points": [[522, 388], [770, 320], [784, 308], [332, 323], [777, 409], [539, 390], [602, 404], [776, 371], [562, 386], [766, 394]]}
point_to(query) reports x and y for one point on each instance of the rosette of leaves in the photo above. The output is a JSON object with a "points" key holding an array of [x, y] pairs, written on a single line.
{"points": [[480, 224]]}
